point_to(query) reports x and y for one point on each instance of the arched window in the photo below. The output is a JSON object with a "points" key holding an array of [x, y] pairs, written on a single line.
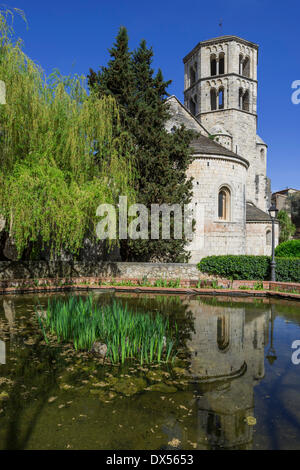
{"points": [[221, 63], [192, 76], [213, 65], [246, 101], [192, 106], [213, 99], [241, 59], [246, 67], [241, 98], [223, 332], [221, 98], [224, 204], [262, 155], [268, 238]]}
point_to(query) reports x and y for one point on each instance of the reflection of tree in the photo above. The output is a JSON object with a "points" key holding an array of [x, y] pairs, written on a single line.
{"points": [[26, 376], [33, 375]]}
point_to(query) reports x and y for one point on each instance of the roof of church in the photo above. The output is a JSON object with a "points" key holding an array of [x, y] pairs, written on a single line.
{"points": [[254, 214], [202, 144], [207, 146], [182, 117]]}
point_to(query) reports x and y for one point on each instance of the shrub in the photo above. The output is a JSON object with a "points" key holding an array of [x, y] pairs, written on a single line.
{"points": [[250, 267], [288, 269], [236, 267], [289, 249]]}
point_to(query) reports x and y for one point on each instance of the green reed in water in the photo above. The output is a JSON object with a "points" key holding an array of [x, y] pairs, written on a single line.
{"points": [[128, 335]]}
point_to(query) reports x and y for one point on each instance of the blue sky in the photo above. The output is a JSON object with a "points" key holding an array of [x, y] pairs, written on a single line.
{"points": [[75, 35]]}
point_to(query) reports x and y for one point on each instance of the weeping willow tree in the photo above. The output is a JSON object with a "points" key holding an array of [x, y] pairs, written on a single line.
{"points": [[62, 153]]}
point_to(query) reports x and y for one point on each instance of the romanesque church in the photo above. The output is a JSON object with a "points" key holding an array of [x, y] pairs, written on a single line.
{"points": [[229, 165]]}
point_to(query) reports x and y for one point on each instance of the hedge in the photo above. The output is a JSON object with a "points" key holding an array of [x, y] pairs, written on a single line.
{"points": [[289, 249], [250, 267]]}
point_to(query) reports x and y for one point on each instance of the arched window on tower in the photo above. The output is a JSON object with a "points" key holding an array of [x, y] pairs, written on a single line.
{"points": [[246, 67], [246, 101], [262, 156], [223, 332], [221, 63], [224, 204], [241, 98], [213, 99], [193, 107], [221, 98], [192, 76], [213, 65], [241, 59]]}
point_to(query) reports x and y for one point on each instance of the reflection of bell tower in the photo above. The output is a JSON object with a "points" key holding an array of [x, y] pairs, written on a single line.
{"points": [[227, 361]]}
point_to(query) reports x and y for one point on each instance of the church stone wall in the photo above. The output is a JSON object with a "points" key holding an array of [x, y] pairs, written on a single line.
{"points": [[242, 127], [258, 238], [212, 236]]}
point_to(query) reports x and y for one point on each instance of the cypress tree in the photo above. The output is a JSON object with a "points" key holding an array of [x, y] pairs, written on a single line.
{"points": [[117, 79], [162, 158]]}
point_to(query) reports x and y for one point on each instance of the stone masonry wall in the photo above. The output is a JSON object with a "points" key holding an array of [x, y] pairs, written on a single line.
{"points": [[257, 240], [62, 269], [213, 236]]}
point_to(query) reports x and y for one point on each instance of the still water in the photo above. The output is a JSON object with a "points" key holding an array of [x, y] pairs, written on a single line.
{"points": [[235, 366]]}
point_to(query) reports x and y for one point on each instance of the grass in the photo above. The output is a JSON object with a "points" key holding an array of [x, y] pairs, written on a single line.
{"points": [[142, 336]]}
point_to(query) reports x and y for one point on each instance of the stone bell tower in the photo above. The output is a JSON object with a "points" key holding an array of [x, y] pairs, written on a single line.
{"points": [[220, 89]]}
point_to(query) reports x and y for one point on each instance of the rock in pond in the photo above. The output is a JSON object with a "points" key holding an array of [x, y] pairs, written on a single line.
{"points": [[100, 349]]}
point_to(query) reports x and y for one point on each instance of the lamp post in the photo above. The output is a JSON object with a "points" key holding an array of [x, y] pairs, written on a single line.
{"points": [[273, 211], [271, 356]]}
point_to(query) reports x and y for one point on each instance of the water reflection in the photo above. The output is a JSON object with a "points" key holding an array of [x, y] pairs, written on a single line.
{"points": [[227, 361], [2, 352], [227, 342]]}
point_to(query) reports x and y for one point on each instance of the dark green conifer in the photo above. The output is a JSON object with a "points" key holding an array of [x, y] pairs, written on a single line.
{"points": [[162, 158]]}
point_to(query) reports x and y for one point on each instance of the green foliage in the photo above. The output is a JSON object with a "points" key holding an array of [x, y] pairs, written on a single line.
{"points": [[287, 228], [162, 158], [146, 337], [288, 249], [287, 270], [165, 283], [236, 267], [258, 285], [60, 149], [250, 267]]}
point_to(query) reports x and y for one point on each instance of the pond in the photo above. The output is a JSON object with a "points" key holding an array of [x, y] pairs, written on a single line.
{"points": [[233, 385]]}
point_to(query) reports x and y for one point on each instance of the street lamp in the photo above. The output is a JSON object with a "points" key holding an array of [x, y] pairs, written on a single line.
{"points": [[271, 356], [273, 211]]}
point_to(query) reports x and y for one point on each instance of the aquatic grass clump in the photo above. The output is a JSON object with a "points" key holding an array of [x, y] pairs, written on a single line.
{"points": [[128, 335]]}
